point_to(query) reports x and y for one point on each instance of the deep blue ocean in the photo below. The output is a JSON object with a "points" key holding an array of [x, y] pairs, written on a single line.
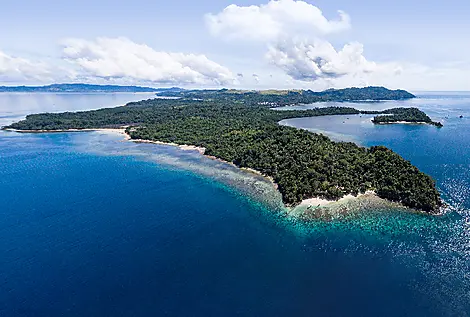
{"points": [[91, 225]]}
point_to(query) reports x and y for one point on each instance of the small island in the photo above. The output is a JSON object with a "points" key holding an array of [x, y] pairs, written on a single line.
{"points": [[303, 165], [405, 115]]}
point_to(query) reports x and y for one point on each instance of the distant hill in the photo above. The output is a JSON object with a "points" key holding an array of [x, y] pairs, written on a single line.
{"points": [[267, 97], [289, 97], [366, 93], [84, 88]]}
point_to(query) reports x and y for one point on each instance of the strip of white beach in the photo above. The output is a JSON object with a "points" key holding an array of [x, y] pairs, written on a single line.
{"points": [[111, 130], [402, 122], [184, 147], [320, 202]]}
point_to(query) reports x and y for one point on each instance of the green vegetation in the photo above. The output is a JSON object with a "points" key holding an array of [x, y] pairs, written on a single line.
{"points": [[411, 115], [274, 98], [303, 164]]}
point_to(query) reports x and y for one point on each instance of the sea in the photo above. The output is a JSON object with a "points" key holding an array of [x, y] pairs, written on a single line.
{"points": [[93, 225]]}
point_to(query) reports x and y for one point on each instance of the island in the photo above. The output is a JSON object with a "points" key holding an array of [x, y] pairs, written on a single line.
{"points": [[278, 98], [85, 88], [405, 115], [302, 164]]}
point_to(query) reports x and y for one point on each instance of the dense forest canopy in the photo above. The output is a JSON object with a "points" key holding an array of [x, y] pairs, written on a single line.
{"points": [[288, 97], [303, 164], [411, 115]]}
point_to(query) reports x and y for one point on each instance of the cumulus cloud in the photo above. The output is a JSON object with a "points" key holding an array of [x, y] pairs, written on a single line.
{"points": [[18, 69], [255, 77], [269, 21], [116, 58], [295, 34], [309, 61]]}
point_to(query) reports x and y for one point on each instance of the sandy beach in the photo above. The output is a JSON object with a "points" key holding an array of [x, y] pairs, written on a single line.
{"points": [[111, 130], [401, 122], [320, 202], [183, 147], [121, 131]]}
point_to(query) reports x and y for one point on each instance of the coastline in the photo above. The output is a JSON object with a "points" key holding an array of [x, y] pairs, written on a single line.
{"points": [[183, 147], [120, 131], [401, 122], [114, 130], [309, 208], [321, 202]]}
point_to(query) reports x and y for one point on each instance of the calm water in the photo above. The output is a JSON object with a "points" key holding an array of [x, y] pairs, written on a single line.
{"points": [[93, 226], [15, 106]]}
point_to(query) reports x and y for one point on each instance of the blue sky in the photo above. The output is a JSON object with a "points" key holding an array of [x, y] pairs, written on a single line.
{"points": [[416, 45]]}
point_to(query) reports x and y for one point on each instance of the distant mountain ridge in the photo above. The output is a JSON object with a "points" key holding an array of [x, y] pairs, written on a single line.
{"points": [[273, 97], [291, 97], [84, 88], [371, 92]]}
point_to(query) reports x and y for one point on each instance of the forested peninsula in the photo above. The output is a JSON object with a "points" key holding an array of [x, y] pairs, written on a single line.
{"points": [[301, 163]]}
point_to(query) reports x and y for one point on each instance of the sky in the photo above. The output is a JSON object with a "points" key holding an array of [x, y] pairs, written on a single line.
{"points": [[414, 45]]}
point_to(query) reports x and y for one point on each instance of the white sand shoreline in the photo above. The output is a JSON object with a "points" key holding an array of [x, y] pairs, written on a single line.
{"points": [[115, 130], [320, 202], [401, 122], [183, 147]]}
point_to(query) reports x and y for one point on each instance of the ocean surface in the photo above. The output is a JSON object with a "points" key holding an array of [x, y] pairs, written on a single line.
{"points": [[91, 225]]}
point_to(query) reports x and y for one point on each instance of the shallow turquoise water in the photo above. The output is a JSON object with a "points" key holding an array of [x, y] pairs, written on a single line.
{"points": [[93, 226]]}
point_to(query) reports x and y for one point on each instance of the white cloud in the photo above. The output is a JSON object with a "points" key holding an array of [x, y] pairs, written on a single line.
{"points": [[118, 61], [275, 19], [312, 60], [294, 33], [18, 69], [117, 58]]}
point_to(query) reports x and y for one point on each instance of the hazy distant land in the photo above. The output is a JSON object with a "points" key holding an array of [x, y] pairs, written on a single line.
{"points": [[83, 88]]}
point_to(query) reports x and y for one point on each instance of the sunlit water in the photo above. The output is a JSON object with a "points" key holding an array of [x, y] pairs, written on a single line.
{"points": [[91, 225]]}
